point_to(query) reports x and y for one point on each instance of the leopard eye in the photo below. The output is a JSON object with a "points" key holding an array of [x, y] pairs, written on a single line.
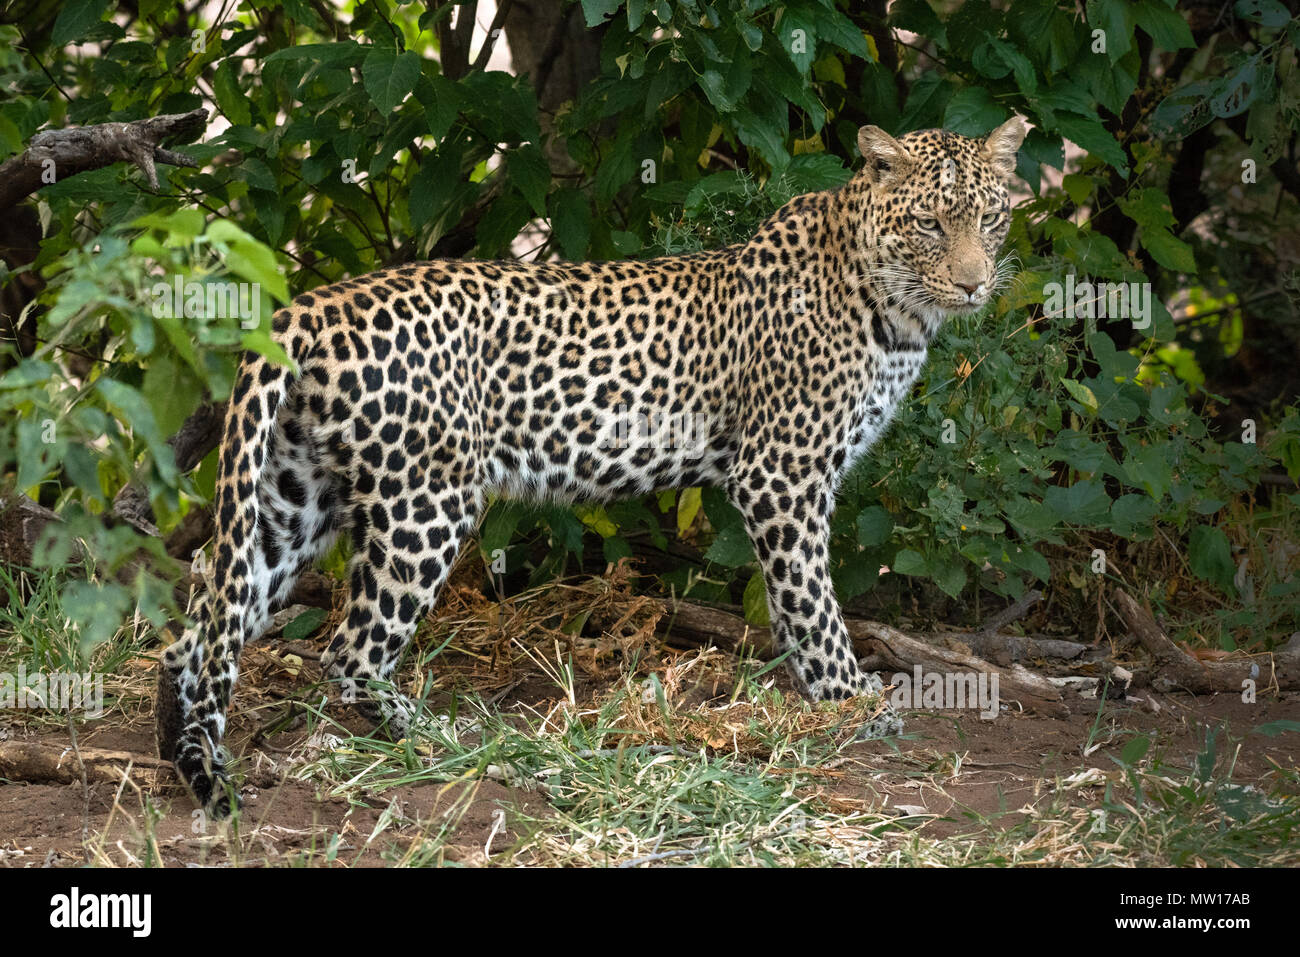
{"points": [[927, 223], [989, 220]]}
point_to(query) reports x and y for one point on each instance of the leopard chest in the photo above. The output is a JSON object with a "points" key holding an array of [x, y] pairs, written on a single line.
{"points": [[881, 391]]}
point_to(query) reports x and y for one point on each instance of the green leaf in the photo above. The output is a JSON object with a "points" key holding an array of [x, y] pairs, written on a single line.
{"points": [[798, 36], [389, 76], [597, 11], [35, 457], [499, 526], [571, 222], [1113, 17], [1135, 750], [305, 625], [996, 58], [442, 104], [134, 409], [249, 258], [1274, 728], [834, 27], [1237, 91], [614, 548], [1091, 136], [531, 174], [98, 609], [925, 102], [76, 19], [1167, 27], [1210, 557], [1132, 513], [973, 112], [1044, 148], [635, 14], [725, 90], [1081, 394], [1032, 517], [1185, 110], [1147, 468], [1083, 503], [754, 602], [875, 525], [917, 16], [1268, 12], [732, 547], [1111, 84], [950, 576], [501, 224], [1168, 250], [435, 184], [233, 102], [812, 172], [765, 126], [1148, 207], [260, 341], [910, 562], [1078, 187], [504, 107]]}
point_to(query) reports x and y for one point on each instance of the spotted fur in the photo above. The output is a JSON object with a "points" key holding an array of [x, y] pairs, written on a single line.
{"points": [[416, 392]]}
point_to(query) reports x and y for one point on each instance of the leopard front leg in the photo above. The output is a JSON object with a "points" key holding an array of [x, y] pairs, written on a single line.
{"points": [[789, 524]]}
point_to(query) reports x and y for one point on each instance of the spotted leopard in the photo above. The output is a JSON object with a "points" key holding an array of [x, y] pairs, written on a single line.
{"points": [[416, 392]]}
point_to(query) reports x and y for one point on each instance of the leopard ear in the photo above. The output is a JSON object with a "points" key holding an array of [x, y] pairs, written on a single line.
{"points": [[1001, 145], [887, 160]]}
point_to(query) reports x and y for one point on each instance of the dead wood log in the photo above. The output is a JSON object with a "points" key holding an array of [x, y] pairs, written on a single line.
{"points": [[888, 648], [880, 646], [38, 763], [21, 523], [196, 528], [1175, 670], [55, 155], [312, 589], [1006, 649], [698, 623]]}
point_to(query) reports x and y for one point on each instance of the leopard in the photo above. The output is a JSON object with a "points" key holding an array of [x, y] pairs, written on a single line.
{"points": [[410, 398]]}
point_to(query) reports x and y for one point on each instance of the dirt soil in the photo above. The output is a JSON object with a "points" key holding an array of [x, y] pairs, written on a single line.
{"points": [[1005, 765]]}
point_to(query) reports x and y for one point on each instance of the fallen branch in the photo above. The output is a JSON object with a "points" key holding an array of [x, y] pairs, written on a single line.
{"points": [[56, 764], [1006, 649], [699, 623], [880, 646], [21, 523], [1175, 670], [888, 648], [55, 155]]}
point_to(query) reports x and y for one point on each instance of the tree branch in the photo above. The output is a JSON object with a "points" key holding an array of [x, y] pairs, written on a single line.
{"points": [[55, 155]]}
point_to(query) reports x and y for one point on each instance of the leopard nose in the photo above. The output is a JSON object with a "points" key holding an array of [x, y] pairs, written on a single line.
{"points": [[970, 290]]}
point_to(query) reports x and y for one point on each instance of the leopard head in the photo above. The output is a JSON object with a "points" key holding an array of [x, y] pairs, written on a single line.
{"points": [[938, 213]]}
